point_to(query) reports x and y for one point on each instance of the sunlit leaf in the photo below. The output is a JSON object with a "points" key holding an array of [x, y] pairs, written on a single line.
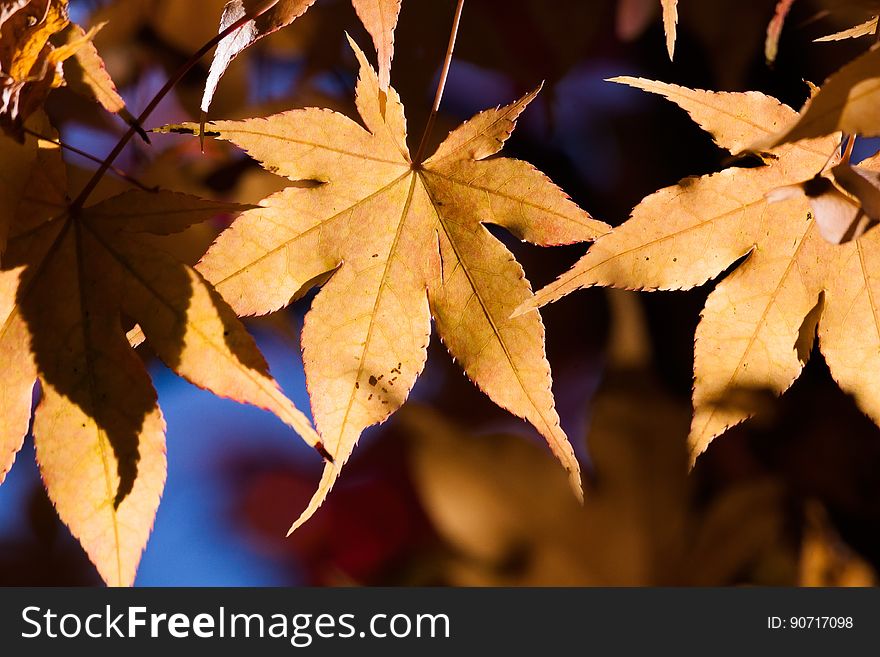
{"points": [[402, 242]]}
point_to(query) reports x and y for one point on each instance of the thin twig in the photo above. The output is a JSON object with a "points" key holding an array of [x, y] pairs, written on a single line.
{"points": [[172, 82], [441, 86], [93, 158]]}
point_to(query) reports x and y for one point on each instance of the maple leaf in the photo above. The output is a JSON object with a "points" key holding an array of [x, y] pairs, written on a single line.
{"points": [[69, 279], [378, 16], [670, 24], [845, 201], [759, 323], [30, 64], [857, 31], [16, 164], [774, 29], [402, 241], [86, 74], [40, 50], [783, 8], [847, 102], [863, 185]]}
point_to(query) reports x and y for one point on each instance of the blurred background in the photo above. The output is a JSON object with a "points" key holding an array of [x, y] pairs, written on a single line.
{"points": [[453, 491]]}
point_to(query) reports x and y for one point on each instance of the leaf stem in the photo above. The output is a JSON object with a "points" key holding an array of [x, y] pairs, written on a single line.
{"points": [[441, 86], [93, 158], [847, 154], [107, 163]]}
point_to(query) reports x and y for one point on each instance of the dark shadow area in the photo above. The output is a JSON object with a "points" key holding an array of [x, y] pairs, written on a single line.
{"points": [[46, 555]]}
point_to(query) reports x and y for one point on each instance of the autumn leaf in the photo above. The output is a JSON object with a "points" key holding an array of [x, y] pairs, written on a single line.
{"points": [[69, 280], [401, 241], [641, 523], [670, 24], [774, 29], [633, 18], [783, 8], [845, 201], [30, 66], [378, 16], [41, 50], [16, 164], [862, 184], [380, 19], [847, 102], [825, 559], [857, 31], [86, 74], [760, 321]]}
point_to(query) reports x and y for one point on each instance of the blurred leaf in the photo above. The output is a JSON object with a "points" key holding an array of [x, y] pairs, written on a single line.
{"points": [[774, 29], [506, 514], [826, 560]]}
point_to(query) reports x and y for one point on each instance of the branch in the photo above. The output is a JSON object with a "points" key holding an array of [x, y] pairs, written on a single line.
{"points": [[93, 158]]}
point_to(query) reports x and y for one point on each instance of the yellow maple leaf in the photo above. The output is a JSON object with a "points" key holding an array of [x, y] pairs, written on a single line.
{"points": [[783, 7], [867, 28], [401, 241], [759, 322], [379, 17], [69, 279], [846, 102], [845, 200], [670, 24]]}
